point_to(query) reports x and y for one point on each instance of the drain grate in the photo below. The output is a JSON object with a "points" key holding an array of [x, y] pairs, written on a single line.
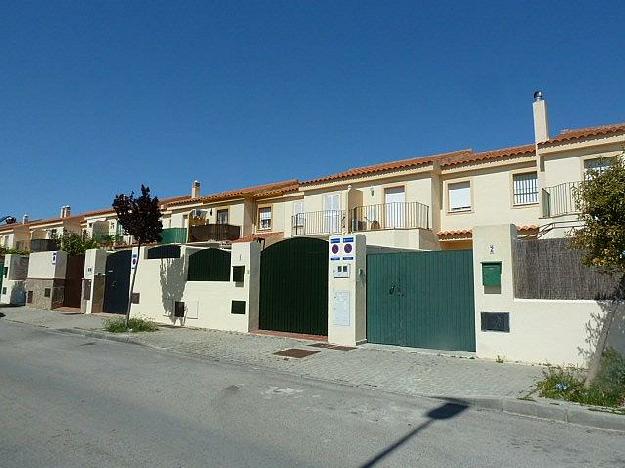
{"points": [[296, 353], [329, 346]]}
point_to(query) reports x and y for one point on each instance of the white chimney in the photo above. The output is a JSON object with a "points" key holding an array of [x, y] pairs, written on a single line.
{"points": [[541, 119], [65, 211], [25, 219], [195, 189]]}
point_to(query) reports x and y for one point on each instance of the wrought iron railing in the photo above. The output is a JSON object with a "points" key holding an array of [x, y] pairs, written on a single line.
{"points": [[559, 200], [214, 232], [318, 222], [399, 215]]}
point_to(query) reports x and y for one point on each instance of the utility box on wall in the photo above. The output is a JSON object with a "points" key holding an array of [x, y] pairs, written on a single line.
{"points": [[491, 273]]}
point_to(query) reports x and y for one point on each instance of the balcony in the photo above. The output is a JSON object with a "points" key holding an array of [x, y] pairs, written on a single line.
{"points": [[318, 223], [214, 232], [559, 200], [400, 215]]}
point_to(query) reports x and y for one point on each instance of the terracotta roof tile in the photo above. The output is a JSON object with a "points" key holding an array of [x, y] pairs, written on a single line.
{"points": [[513, 151], [588, 132], [257, 236], [468, 233], [247, 192], [386, 166]]}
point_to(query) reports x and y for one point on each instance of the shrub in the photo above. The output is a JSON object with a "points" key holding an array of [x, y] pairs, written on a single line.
{"points": [[118, 325], [608, 389]]}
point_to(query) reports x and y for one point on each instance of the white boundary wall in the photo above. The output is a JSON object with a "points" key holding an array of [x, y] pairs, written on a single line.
{"points": [[162, 282], [541, 331], [13, 290]]}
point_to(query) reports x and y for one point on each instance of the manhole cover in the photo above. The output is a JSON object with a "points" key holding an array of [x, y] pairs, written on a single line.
{"points": [[295, 353]]}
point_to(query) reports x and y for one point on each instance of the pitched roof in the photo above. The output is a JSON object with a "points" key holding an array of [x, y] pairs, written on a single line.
{"points": [[81, 216], [274, 188], [386, 166], [513, 151], [588, 132], [461, 234]]}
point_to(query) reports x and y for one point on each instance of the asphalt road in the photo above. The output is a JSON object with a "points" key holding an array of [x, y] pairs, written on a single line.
{"points": [[69, 401]]}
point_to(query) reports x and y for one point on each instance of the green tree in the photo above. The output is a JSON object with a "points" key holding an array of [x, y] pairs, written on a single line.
{"points": [[76, 244], [601, 199], [141, 218]]}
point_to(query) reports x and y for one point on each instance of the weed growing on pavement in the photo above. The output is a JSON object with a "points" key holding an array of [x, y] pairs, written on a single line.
{"points": [[499, 359], [118, 325], [608, 389]]}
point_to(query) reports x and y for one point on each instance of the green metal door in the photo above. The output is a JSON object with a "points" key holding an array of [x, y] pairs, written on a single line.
{"points": [[421, 299], [294, 286]]}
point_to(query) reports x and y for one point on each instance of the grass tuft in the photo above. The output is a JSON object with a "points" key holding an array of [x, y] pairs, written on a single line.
{"points": [[118, 325], [608, 389]]}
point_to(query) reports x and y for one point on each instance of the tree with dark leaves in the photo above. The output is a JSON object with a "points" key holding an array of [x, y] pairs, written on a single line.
{"points": [[141, 218]]}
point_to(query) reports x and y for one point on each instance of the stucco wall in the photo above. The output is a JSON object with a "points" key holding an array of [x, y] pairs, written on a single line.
{"points": [[541, 331], [161, 282], [47, 265], [492, 199], [13, 290]]}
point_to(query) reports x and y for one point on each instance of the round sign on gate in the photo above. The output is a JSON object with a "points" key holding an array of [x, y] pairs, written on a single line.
{"points": [[335, 249], [347, 248]]}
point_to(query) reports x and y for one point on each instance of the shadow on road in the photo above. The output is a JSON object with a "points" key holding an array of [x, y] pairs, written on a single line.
{"points": [[446, 411]]}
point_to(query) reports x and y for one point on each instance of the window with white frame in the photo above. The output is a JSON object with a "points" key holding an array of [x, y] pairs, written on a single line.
{"points": [[264, 217], [298, 213], [596, 166], [525, 188], [459, 196]]}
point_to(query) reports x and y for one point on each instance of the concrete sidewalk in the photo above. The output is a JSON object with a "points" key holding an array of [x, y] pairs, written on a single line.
{"points": [[396, 370]]}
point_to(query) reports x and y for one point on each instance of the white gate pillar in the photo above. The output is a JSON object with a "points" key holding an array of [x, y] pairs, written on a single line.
{"points": [[347, 290]]}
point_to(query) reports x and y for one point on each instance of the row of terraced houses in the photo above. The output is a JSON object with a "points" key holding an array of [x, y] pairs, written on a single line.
{"points": [[434, 203]]}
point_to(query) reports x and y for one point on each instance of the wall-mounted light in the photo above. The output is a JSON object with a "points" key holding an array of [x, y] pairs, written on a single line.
{"points": [[372, 191]]}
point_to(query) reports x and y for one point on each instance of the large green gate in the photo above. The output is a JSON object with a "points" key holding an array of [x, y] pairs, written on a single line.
{"points": [[294, 286], [421, 299]]}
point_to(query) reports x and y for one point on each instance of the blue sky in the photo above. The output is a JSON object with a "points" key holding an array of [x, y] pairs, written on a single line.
{"points": [[99, 97]]}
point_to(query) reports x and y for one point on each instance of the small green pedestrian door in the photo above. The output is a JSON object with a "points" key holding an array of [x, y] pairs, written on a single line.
{"points": [[421, 299]]}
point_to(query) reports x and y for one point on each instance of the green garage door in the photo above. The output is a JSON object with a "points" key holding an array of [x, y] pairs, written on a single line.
{"points": [[421, 299], [294, 286]]}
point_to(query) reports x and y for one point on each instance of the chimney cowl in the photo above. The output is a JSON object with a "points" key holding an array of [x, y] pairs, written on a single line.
{"points": [[538, 95], [195, 189], [25, 219]]}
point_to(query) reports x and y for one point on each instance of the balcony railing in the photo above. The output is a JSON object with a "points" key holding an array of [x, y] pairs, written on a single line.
{"points": [[174, 236], [559, 200], [318, 222], [214, 232], [399, 215]]}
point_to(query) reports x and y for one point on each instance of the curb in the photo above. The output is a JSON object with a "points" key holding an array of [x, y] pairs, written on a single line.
{"points": [[597, 417], [551, 411]]}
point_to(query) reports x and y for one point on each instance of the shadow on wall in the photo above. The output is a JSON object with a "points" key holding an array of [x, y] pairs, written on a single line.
{"points": [[173, 281], [607, 326]]}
